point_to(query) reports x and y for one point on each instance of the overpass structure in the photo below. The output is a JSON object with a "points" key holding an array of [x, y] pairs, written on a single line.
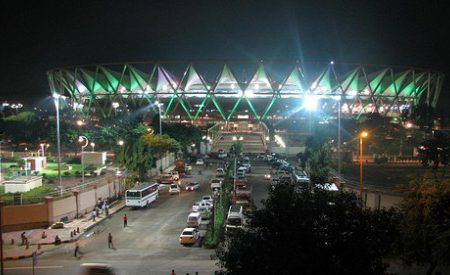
{"points": [[235, 90]]}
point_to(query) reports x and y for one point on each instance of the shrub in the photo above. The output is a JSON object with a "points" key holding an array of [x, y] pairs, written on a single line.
{"points": [[66, 173]]}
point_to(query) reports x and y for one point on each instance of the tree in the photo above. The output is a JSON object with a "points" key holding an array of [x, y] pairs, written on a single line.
{"points": [[435, 150], [136, 155], [236, 148], [161, 143], [24, 127], [425, 225], [310, 233], [319, 162]]}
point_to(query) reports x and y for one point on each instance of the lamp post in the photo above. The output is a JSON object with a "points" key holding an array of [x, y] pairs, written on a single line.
{"points": [[56, 98], [363, 134], [1, 238], [338, 99], [86, 142], [159, 113], [93, 146]]}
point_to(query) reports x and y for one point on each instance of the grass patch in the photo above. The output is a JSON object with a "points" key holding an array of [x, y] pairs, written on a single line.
{"points": [[387, 176], [32, 196]]}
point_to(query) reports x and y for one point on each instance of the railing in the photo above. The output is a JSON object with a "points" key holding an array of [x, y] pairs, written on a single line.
{"points": [[66, 192], [214, 132]]}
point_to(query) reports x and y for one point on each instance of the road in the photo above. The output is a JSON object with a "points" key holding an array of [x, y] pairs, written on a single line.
{"points": [[149, 245]]}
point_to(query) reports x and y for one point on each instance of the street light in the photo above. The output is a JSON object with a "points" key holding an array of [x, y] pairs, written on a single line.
{"points": [[120, 143], [93, 146], [338, 99], [159, 112], [56, 98], [86, 142], [363, 134]]}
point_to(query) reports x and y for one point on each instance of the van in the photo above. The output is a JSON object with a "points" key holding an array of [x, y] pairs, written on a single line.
{"points": [[235, 218], [194, 219]]}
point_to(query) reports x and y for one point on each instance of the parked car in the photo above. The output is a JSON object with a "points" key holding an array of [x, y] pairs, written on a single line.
{"points": [[191, 186], [189, 236], [200, 162], [220, 171], [208, 198], [201, 205], [300, 176], [174, 189], [222, 154]]}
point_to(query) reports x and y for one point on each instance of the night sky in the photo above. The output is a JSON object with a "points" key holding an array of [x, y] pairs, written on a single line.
{"points": [[39, 35]]}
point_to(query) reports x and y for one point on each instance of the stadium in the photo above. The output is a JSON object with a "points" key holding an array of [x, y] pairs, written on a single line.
{"points": [[234, 90]]}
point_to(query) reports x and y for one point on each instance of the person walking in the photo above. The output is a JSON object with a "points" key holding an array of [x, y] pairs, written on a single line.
{"points": [[125, 220], [110, 241], [93, 215], [173, 272], [107, 210], [77, 249]]}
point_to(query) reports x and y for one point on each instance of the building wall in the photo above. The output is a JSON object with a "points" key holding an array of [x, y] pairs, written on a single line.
{"points": [[23, 217]]}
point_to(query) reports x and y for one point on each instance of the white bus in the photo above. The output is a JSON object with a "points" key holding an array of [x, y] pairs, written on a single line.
{"points": [[141, 195]]}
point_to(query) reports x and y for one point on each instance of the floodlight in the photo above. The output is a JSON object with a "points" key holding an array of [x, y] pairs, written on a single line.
{"points": [[310, 102]]}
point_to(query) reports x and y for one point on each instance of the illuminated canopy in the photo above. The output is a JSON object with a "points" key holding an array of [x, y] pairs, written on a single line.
{"points": [[261, 89]]}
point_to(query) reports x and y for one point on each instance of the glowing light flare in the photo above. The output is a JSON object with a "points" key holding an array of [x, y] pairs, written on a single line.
{"points": [[310, 102]]}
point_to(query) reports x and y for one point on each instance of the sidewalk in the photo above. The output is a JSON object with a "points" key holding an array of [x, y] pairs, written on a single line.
{"points": [[12, 242]]}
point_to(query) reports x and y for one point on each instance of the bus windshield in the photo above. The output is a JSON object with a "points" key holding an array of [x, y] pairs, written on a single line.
{"points": [[133, 194]]}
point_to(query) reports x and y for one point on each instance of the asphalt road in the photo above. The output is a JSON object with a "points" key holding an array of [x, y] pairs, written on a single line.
{"points": [[149, 245]]}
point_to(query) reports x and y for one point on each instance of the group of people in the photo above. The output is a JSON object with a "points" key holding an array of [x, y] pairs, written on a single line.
{"points": [[102, 207]]}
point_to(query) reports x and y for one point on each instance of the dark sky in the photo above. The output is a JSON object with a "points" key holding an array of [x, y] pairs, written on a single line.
{"points": [[40, 35]]}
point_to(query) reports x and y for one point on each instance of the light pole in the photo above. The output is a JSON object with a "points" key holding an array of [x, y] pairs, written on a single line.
{"points": [[93, 146], [363, 134], [56, 98], [86, 142], [115, 105], [338, 99], [159, 113]]}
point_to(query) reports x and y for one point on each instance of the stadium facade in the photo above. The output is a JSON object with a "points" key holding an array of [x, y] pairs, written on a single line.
{"points": [[245, 90]]}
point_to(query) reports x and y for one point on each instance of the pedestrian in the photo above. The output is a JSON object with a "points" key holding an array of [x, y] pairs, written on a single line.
{"points": [[125, 220], [93, 215], [77, 249], [107, 210], [44, 235], [173, 272], [57, 240], [110, 241], [104, 208], [22, 236]]}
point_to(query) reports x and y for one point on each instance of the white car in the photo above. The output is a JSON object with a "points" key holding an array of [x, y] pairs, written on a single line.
{"points": [[174, 189], [189, 236], [199, 162], [208, 198], [201, 205]]}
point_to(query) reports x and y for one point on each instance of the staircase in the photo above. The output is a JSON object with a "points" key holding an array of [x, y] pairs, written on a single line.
{"points": [[251, 142]]}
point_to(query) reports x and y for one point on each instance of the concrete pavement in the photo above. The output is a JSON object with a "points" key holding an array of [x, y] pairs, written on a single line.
{"points": [[12, 241]]}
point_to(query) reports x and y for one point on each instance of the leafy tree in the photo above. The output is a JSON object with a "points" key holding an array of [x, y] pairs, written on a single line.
{"points": [[161, 143], [319, 164], [184, 134], [136, 155], [425, 226], [24, 127], [310, 233], [236, 148], [435, 150]]}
